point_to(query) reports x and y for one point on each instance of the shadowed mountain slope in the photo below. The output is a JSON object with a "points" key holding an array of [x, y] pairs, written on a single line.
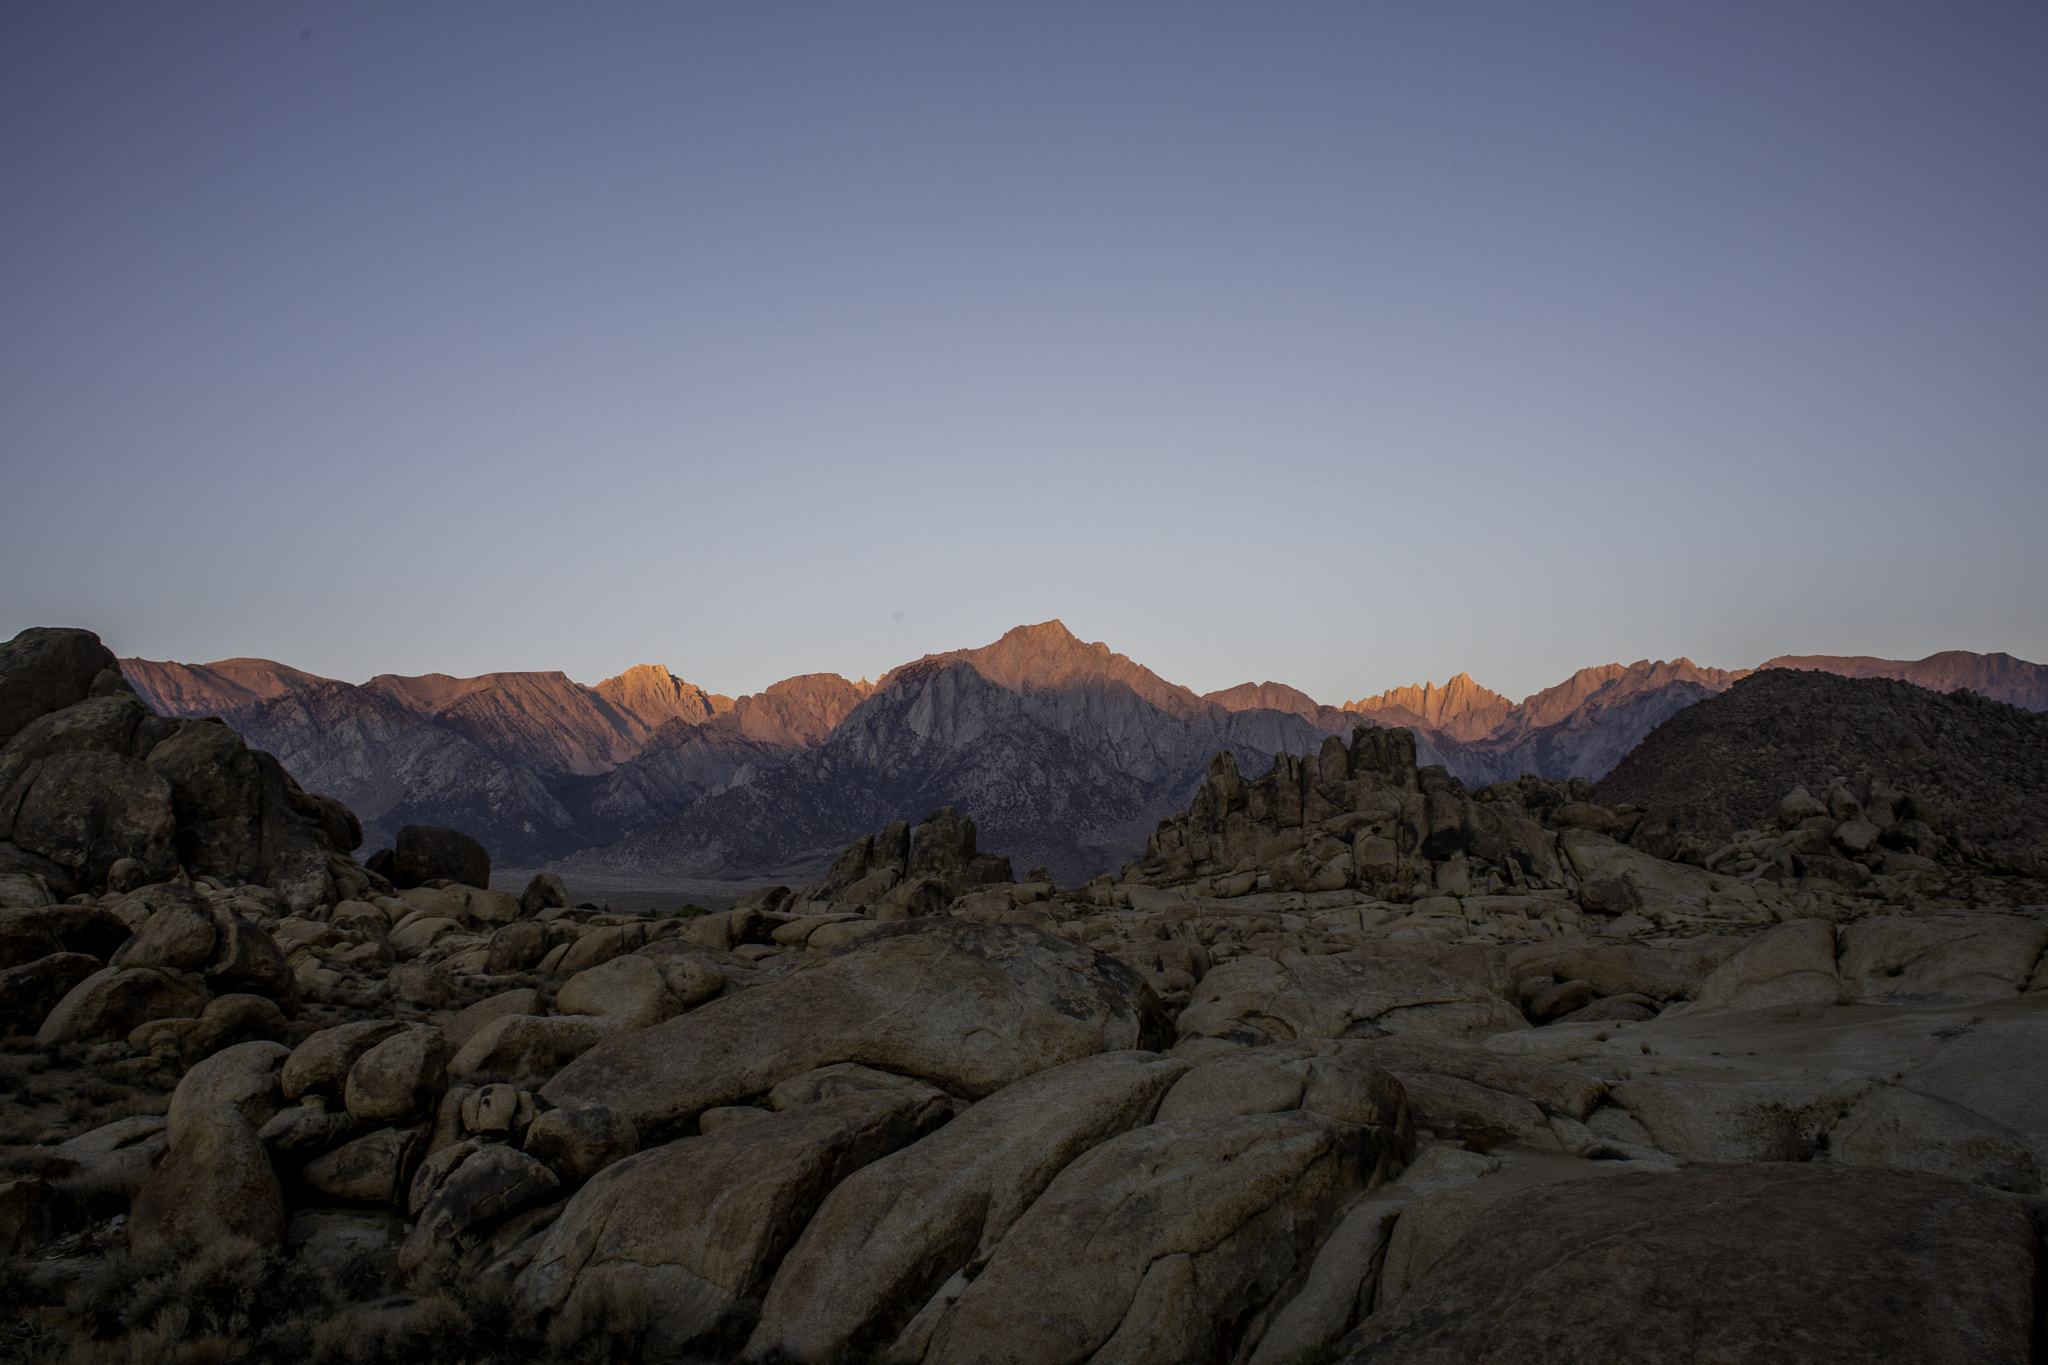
{"points": [[1975, 770], [1071, 775], [2000, 677]]}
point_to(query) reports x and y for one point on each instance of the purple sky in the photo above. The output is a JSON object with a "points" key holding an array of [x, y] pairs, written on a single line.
{"points": [[1345, 345]]}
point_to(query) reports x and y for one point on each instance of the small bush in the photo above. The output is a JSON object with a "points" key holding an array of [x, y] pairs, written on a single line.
{"points": [[604, 1325]]}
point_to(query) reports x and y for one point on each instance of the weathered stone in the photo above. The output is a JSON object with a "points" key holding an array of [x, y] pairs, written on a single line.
{"points": [[1338, 1290], [426, 853], [43, 670], [87, 810], [1992, 1068], [1322, 1077], [1791, 964], [416, 936], [309, 1126], [830, 1082], [26, 937], [215, 1183], [1906, 1130], [179, 936], [1159, 1245], [699, 1224], [247, 960], [969, 1007], [29, 992], [226, 1021], [1553, 1089], [235, 817], [467, 1022], [113, 1000], [400, 1077], [242, 1078], [628, 990], [488, 907], [103, 724], [322, 1062], [436, 902], [522, 1047], [544, 892], [517, 948], [692, 979], [1661, 973], [485, 1186], [420, 985], [1757, 1263], [730, 1116], [494, 1110], [1748, 1120], [1340, 995], [373, 1169], [118, 1157], [20, 891], [578, 1143], [1960, 957], [894, 1231]]}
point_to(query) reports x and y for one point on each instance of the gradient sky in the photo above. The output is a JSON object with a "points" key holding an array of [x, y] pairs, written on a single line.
{"points": [[1344, 345]]}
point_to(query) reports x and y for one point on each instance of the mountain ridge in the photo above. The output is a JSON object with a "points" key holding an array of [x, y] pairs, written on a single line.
{"points": [[546, 767]]}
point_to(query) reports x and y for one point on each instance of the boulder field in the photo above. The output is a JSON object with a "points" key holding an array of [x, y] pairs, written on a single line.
{"points": [[1351, 1064]]}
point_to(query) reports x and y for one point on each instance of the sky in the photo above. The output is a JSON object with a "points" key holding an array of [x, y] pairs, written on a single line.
{"points": [[1342, 345]]}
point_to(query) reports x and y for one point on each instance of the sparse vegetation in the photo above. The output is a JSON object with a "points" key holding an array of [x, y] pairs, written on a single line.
{"points": [[240, 1302]]}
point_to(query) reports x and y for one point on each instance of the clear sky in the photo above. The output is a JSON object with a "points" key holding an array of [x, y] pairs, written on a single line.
{"points": [[1343, 345]]}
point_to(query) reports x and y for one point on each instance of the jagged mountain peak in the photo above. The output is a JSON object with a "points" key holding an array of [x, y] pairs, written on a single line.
{"points": [[652, 695], [1460, 708], [1047, 657]]}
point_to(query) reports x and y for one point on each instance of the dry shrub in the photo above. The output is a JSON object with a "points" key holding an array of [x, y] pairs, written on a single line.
{"points": [[604, 1324], [434, 1328]]}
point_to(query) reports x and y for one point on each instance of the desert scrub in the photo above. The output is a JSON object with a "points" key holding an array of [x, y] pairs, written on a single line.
{"points": [[238, 1303]]}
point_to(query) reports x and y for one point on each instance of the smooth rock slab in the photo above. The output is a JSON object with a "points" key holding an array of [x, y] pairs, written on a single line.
{"points": [[967, 1007], [1954, 957], [895, 1230], [1903, 1129], [1159, 1245], [1791, 964], [1340, 995], [698, 1225], [1757, 1265]]}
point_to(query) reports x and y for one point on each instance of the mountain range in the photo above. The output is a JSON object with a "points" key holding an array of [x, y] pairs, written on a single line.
{"points": [[1065, 752]]}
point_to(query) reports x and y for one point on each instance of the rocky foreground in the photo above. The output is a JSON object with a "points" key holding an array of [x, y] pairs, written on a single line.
{"points": [[1351, 1064]]}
